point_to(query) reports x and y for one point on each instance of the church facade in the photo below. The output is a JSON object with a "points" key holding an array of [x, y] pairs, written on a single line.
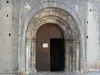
{"points": [[44, 37]]}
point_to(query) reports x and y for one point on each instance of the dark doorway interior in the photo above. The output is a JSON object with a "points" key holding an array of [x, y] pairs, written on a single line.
{"points": [[57, 54]]}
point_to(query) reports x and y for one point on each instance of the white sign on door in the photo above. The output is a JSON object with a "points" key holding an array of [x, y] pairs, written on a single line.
{"points": [[45, 45]]}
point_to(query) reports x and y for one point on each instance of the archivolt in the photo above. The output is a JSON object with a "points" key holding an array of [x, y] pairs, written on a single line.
{"points": [[65, 22]]}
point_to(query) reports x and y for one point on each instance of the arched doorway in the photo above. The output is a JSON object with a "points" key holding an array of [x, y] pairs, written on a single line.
{"points": [[70, 33], [50, 50]]}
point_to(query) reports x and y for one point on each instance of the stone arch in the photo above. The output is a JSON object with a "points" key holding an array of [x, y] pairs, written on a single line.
{"points": [[52, 16], [74, 29]]}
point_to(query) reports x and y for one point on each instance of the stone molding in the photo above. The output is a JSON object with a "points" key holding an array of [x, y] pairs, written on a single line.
{"points": [[66, 19]]}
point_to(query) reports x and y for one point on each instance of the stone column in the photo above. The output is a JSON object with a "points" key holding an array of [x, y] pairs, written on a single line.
{"points": [[33, 55], [21, 56], [66, 55], [28, 54], [70, 56], [80, 55], [74, 56], [77, 57]]}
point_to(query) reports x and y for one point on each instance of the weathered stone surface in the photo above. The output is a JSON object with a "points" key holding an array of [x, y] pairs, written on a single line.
{"points": [[19, 10]]}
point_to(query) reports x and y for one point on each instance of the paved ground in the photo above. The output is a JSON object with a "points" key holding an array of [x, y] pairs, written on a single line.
{"points": [[61, 73], [94, 74]]}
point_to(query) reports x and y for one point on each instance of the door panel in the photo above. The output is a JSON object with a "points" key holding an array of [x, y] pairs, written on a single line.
{"points": [[55, 31], [43, 57], [42, 51]]}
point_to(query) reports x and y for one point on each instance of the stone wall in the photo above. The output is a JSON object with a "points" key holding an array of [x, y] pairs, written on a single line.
{"points": [[31, 7], [8, 38], [13, 14]]}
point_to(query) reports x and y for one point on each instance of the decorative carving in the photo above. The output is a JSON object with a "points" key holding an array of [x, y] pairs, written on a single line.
{"points": [[49, 11], [59, 17]]}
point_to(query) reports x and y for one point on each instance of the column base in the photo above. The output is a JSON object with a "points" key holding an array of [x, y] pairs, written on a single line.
{"points": [[22, 73]]}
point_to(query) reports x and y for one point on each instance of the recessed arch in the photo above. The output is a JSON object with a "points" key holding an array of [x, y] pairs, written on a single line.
{"points": [[61, 18], [70, 24]]}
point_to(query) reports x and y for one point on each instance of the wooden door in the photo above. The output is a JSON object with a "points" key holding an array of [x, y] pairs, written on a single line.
{"points": [[44, 34], [43, 48]]}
